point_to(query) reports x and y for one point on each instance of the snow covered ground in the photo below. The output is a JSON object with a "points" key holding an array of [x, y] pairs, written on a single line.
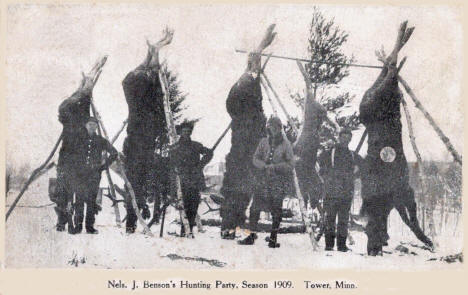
{"points": [[33, 242]]}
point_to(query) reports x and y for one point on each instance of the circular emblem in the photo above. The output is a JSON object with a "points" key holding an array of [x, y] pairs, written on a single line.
{"points": [[387, 154]]}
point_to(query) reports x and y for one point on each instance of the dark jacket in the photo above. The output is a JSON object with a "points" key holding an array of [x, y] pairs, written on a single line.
{"points": [[337, 170], [73, 113], [189, 158], [91, 151]]}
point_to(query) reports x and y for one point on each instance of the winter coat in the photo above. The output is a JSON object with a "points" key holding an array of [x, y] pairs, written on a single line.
{"points": [[189, 158], [337, 170], [92, 149], [73, 113], [280, 155]]}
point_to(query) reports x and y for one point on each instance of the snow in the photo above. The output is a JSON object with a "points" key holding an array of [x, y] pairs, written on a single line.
{"points": [[33, 242]]}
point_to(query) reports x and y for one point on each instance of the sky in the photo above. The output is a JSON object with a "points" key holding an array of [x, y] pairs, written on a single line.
{"points": [[47, 47]]}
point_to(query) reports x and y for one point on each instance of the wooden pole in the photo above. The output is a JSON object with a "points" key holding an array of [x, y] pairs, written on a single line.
{"points": [[279, 103], [420, 170], [311, 61], [221, 137], [146, 229], [33, 177], [116, 136], [269, 97], [172, 134], [108, 175], [434, 125]]}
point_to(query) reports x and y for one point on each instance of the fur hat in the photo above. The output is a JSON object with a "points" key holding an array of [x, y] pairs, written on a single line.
{"points": [[275, 121], [183, 125]]}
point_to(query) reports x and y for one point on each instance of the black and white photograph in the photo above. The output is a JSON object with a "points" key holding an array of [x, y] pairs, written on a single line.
{"points": [[233, 137]]}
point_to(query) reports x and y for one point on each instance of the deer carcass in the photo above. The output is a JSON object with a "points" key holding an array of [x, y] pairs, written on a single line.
{"points": [[146, 121], [385, 183], [74, 112], [244, 105]]}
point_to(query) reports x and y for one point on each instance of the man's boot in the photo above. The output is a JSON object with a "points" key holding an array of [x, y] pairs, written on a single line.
{"points": [[228, 235], [329, 242], [249, 240], [131, 222], [272, 243], [90, 219], [341, 243]]}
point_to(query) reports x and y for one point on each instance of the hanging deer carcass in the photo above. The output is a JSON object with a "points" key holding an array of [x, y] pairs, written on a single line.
{"points": [[244, 105], [146, 122], [385, 183]]}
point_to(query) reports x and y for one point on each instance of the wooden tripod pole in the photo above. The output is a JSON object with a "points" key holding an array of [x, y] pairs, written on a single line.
{"points": [[172, 134], [109, 178], [420, 169], [33, 177], [116, 136], [434, 125], [146, 229]]}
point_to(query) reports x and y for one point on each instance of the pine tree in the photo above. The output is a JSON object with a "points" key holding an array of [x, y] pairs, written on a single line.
{"points": [[326, 41]]}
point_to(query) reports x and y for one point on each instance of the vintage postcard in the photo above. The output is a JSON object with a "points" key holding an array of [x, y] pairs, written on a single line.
{"points": [[296, 139]]}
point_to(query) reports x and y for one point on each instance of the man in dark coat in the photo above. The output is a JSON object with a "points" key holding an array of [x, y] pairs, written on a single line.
{"points": [[188, 158], [73, 114], [337, 169], [89, 175]]}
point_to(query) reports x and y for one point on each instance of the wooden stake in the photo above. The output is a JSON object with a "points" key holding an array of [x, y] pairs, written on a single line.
{"points": [[434, 125]]}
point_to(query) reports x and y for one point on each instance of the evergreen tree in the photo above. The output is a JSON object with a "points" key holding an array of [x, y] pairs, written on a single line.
{"points": [[326, 41]]}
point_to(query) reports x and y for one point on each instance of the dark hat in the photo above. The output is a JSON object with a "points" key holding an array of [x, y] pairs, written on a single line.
{"points": [[275, 121], [184, 125], [93, 119]]}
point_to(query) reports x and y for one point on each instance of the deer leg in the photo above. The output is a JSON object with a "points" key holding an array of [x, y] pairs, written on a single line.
{"points": [[408, 214]]}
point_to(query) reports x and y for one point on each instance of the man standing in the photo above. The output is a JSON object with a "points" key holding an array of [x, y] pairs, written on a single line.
{"points": [[337, 169], [73, 113], [188, 158], [275, 160], [89, 175]]}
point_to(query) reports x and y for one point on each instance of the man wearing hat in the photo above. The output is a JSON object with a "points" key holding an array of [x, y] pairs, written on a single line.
{"points": [[188, 158], [274, 160], [91, 164], [337, 167]]}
